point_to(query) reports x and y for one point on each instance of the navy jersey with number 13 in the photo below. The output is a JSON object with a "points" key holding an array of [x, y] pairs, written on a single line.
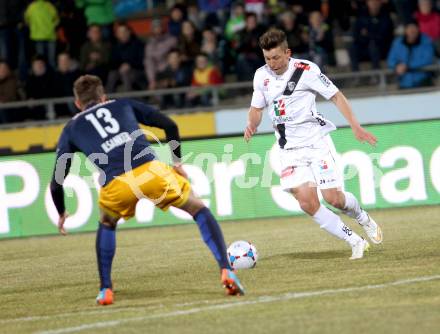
{"points": [[108, 133]]}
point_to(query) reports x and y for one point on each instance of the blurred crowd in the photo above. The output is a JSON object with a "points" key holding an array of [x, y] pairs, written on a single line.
{"points": [[45, 45]]}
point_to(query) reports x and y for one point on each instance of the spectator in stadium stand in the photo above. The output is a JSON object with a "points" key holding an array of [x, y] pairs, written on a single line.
{"points": [[405, 10], [8, 90], [13, 35], [175, 75], [372, 35], [320, 40], [340, 11], [156, 50], [204, 74], [189, 42], [66, 74], [301, 8], [95, 54], [249, 57], [177, 16], [296, 38], [211, 48], [42, 18], [235, 23], [255, 6], [194, 15], [99, 12], [72, 30], [408, 54], [429, 22], [213, 13], [39, 85], [127, 61]]}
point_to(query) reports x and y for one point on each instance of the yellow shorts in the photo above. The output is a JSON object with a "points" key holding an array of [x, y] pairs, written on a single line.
{"points": [[153, 180]]}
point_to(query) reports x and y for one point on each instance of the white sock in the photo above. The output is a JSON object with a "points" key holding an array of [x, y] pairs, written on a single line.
{"points": [[333, 224], [353, 209]]}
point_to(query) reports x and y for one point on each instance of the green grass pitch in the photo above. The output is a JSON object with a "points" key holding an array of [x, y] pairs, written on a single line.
{"points": [[167, 282]]}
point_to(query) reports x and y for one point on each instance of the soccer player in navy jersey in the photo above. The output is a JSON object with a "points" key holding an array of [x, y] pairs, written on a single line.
{"points": [[107, 132]]}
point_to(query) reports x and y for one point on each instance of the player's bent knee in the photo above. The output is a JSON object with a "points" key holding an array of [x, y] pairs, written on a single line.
{"points": [[109, 224], [193, 205], [309, 207], [334, 200], [108, 220]]}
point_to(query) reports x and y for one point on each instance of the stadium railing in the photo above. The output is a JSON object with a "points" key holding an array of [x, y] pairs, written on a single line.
{"points": [[380, 82]]}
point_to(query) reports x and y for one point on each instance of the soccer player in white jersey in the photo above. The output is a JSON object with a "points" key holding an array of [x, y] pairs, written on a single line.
{"points": [[288, 87]]}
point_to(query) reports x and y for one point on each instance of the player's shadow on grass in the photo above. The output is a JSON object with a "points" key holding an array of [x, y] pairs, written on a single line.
{"points": [[324, 255]]}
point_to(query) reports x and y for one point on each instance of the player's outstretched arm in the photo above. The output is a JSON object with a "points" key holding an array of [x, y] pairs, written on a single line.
{"points": [[254, 119], [359, 132]]}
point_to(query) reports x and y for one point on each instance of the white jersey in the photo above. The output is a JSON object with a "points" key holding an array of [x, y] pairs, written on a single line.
{"points": [[291, 105]]}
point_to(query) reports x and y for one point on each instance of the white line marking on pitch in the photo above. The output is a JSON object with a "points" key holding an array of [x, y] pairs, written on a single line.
{"points": [[262, 299], [104, 311], [69, 314]]}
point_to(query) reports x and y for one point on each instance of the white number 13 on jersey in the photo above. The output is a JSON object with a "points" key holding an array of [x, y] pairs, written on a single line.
{"points": [[111, 124]]}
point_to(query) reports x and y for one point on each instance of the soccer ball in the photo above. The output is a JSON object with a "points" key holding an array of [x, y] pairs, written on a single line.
{"points": [[242, 255]]}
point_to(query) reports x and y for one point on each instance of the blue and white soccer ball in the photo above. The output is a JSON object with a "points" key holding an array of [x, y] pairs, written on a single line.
{"points": [[242, 255]]}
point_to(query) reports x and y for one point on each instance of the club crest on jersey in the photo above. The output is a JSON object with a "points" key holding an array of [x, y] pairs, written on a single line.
{"points": [[323, 165], [291, 85], [279, 107], [266, 84]]}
